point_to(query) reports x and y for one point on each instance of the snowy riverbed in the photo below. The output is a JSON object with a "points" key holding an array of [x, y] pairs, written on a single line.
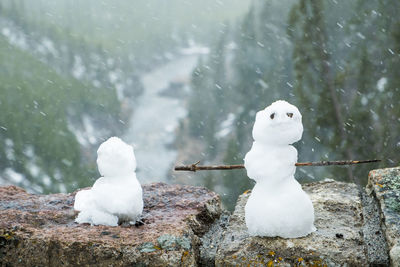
{"points": [[156, 117]]}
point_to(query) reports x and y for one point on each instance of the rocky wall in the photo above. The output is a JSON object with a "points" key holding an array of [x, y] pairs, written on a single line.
{"points": [[186, 226]]}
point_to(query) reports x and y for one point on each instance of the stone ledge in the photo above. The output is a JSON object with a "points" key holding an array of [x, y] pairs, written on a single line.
{"points": [[338, 240], [39, 230], [185, 226], [384, 185]]}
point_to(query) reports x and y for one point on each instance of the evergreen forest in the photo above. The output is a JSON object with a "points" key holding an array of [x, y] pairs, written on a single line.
{"points": [[338, 61]]}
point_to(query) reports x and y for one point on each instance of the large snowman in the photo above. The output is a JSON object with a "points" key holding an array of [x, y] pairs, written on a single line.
{"points": [[116, 196], [277, 205]]}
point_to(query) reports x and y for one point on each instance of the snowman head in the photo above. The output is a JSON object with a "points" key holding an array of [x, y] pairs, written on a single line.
{"points": [[115, 158], [278, 124]]}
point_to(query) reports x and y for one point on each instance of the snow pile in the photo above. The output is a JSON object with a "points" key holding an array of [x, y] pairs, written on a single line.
{"points": [[117, 195], [277, 205]]}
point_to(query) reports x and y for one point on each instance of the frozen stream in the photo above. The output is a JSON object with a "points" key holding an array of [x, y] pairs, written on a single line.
{"points": [[156, 117]]}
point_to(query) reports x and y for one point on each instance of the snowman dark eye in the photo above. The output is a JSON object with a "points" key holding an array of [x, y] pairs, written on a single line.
{"points": [[290, 115], [272, 116]]}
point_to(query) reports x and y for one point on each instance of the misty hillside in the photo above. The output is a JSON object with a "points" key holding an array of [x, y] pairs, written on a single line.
{"points": [[39, 145], [71, 77], [138, 29]]}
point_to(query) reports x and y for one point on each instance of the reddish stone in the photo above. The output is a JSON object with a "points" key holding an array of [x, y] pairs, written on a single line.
{"points": [[40, 229]]}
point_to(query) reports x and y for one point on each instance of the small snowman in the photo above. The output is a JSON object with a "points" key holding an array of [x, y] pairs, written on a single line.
{"points": [[277, 205], [116, 196]]}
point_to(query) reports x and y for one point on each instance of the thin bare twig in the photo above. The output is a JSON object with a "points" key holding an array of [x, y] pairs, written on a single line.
{"points": [[195, 167]]}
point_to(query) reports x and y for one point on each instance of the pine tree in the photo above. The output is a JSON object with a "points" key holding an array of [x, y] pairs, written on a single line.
{"points": [[200, 103], [315, 77], [380, 26], [236, 181], [217, 65]]}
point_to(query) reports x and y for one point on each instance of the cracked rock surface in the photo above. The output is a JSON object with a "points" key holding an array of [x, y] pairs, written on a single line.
{"points": [[39, 230]]}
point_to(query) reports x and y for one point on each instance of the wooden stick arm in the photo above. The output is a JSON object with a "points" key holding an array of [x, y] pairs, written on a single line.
{"points": [[195, 167]]}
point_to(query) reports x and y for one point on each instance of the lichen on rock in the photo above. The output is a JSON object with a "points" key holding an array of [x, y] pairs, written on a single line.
{"points": [[391, 184], [384, 184]]}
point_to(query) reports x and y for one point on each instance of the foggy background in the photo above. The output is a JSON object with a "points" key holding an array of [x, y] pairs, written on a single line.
{"points": [[182, 80]]}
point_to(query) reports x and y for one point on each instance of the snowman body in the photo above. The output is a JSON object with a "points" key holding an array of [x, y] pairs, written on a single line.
{"points": [[277, 205], [116, 196]]}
